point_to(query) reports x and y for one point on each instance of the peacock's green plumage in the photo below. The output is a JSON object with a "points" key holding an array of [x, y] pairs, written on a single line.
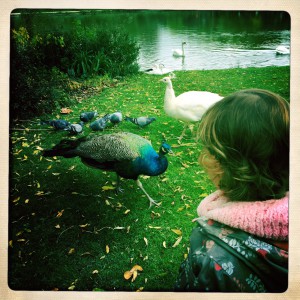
{"points": [[127, 154]]}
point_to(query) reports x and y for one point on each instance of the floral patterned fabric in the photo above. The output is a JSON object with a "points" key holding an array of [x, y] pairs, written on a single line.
{"points": [[225, 259]]}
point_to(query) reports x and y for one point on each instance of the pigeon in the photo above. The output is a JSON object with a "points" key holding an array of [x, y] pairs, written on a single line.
{"points": [[88, 115], [115, 117], [141, 121], [58, 124], [75, 128], [100, 124]]}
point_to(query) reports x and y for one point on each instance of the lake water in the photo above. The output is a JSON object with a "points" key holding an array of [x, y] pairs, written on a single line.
{"points": [[214, 39]]}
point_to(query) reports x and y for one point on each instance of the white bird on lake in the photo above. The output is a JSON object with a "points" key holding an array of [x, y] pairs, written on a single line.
{"points": [[158, 69], [189, 106], [179, 52], [282, 50]]}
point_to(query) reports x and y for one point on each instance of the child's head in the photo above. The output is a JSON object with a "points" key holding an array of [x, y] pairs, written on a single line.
{"points": [[245, 139]]}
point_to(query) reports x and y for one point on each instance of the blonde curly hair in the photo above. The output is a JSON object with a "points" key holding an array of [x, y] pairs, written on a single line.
{"points": [[245, 139]]}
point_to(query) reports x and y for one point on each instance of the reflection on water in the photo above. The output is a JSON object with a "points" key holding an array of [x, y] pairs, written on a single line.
{"points": [[215, 39]]}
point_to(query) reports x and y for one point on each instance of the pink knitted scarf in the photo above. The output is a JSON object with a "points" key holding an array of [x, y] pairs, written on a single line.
{"points": [[268, 219]]}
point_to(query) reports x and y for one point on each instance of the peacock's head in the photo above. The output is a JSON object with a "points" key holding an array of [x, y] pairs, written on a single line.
{"points": [[165, 148]]}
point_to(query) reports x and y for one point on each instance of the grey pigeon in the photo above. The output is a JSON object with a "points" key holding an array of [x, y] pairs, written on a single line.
{"points": [[100, 124], [141, 121], [115, 117], [75, 128], [59, 124], [87, 116]]}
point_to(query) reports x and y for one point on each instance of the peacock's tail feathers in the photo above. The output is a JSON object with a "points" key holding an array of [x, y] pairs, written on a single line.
{"points": [[65, 148]]}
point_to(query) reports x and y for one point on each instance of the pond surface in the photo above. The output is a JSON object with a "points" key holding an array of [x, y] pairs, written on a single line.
{"points": [[214, 39]]}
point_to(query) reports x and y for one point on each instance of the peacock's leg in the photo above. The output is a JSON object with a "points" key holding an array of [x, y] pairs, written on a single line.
{"points": [[183, 132], [118, 187], [139, 184]]}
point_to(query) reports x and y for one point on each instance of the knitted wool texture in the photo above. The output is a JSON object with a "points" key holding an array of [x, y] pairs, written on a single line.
{"points": [[267, 219]]}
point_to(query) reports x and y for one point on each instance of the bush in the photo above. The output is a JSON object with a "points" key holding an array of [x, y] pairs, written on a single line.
{"points": [[42, 64]]}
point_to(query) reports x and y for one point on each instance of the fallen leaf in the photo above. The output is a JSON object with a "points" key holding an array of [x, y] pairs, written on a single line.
{"points": [[107, 188], [146, 241], [71, 251], [136, 268], [71, 288], [85, 225], [177, 242], [164, 244], [95, 272], [134, 276], [60, 213], [127, 275], [177, 231], [127, 211], [107, 249], [66, 110], [154, 227]]}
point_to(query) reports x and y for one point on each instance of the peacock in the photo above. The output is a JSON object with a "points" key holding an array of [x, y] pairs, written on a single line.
{"points": [[189, 106], [179, 52], [127, 154], [141, 121]]}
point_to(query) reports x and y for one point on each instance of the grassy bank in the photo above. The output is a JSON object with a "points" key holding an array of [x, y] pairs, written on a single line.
{"points": [[68, 229]]}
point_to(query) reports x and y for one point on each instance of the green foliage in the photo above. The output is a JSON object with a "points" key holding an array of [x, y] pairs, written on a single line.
{"points": [[69, 231], [42, 64]]}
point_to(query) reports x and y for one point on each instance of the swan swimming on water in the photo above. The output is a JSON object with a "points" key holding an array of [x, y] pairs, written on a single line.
{"points": [[282, 50], [179, 52], [158, 69]]}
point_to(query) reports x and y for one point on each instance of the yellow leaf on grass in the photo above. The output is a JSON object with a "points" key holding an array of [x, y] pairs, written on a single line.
{"points": [[60, 213], [177, 231], [71, 251], [154, 227], [71, 288], [127, 211], [136, 268], [107, 188], [85, 225], [177, 242], [107, 249], [164, 244], [95, 272], [146, 241], [24, 144], [134, 276], [127, 275]]}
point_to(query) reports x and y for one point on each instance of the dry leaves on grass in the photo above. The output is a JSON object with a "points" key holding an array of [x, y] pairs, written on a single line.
{"points": [[133, 273], [65, 110]]}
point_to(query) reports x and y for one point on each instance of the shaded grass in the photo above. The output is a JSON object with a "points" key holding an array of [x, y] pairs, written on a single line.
{"points": [[67, 232]]}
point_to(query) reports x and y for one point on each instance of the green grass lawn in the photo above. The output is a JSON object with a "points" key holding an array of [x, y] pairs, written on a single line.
{"points": [[70, 231]]}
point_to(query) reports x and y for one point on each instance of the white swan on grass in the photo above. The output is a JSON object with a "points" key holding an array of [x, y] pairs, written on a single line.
{"points": [[188, 106]]}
